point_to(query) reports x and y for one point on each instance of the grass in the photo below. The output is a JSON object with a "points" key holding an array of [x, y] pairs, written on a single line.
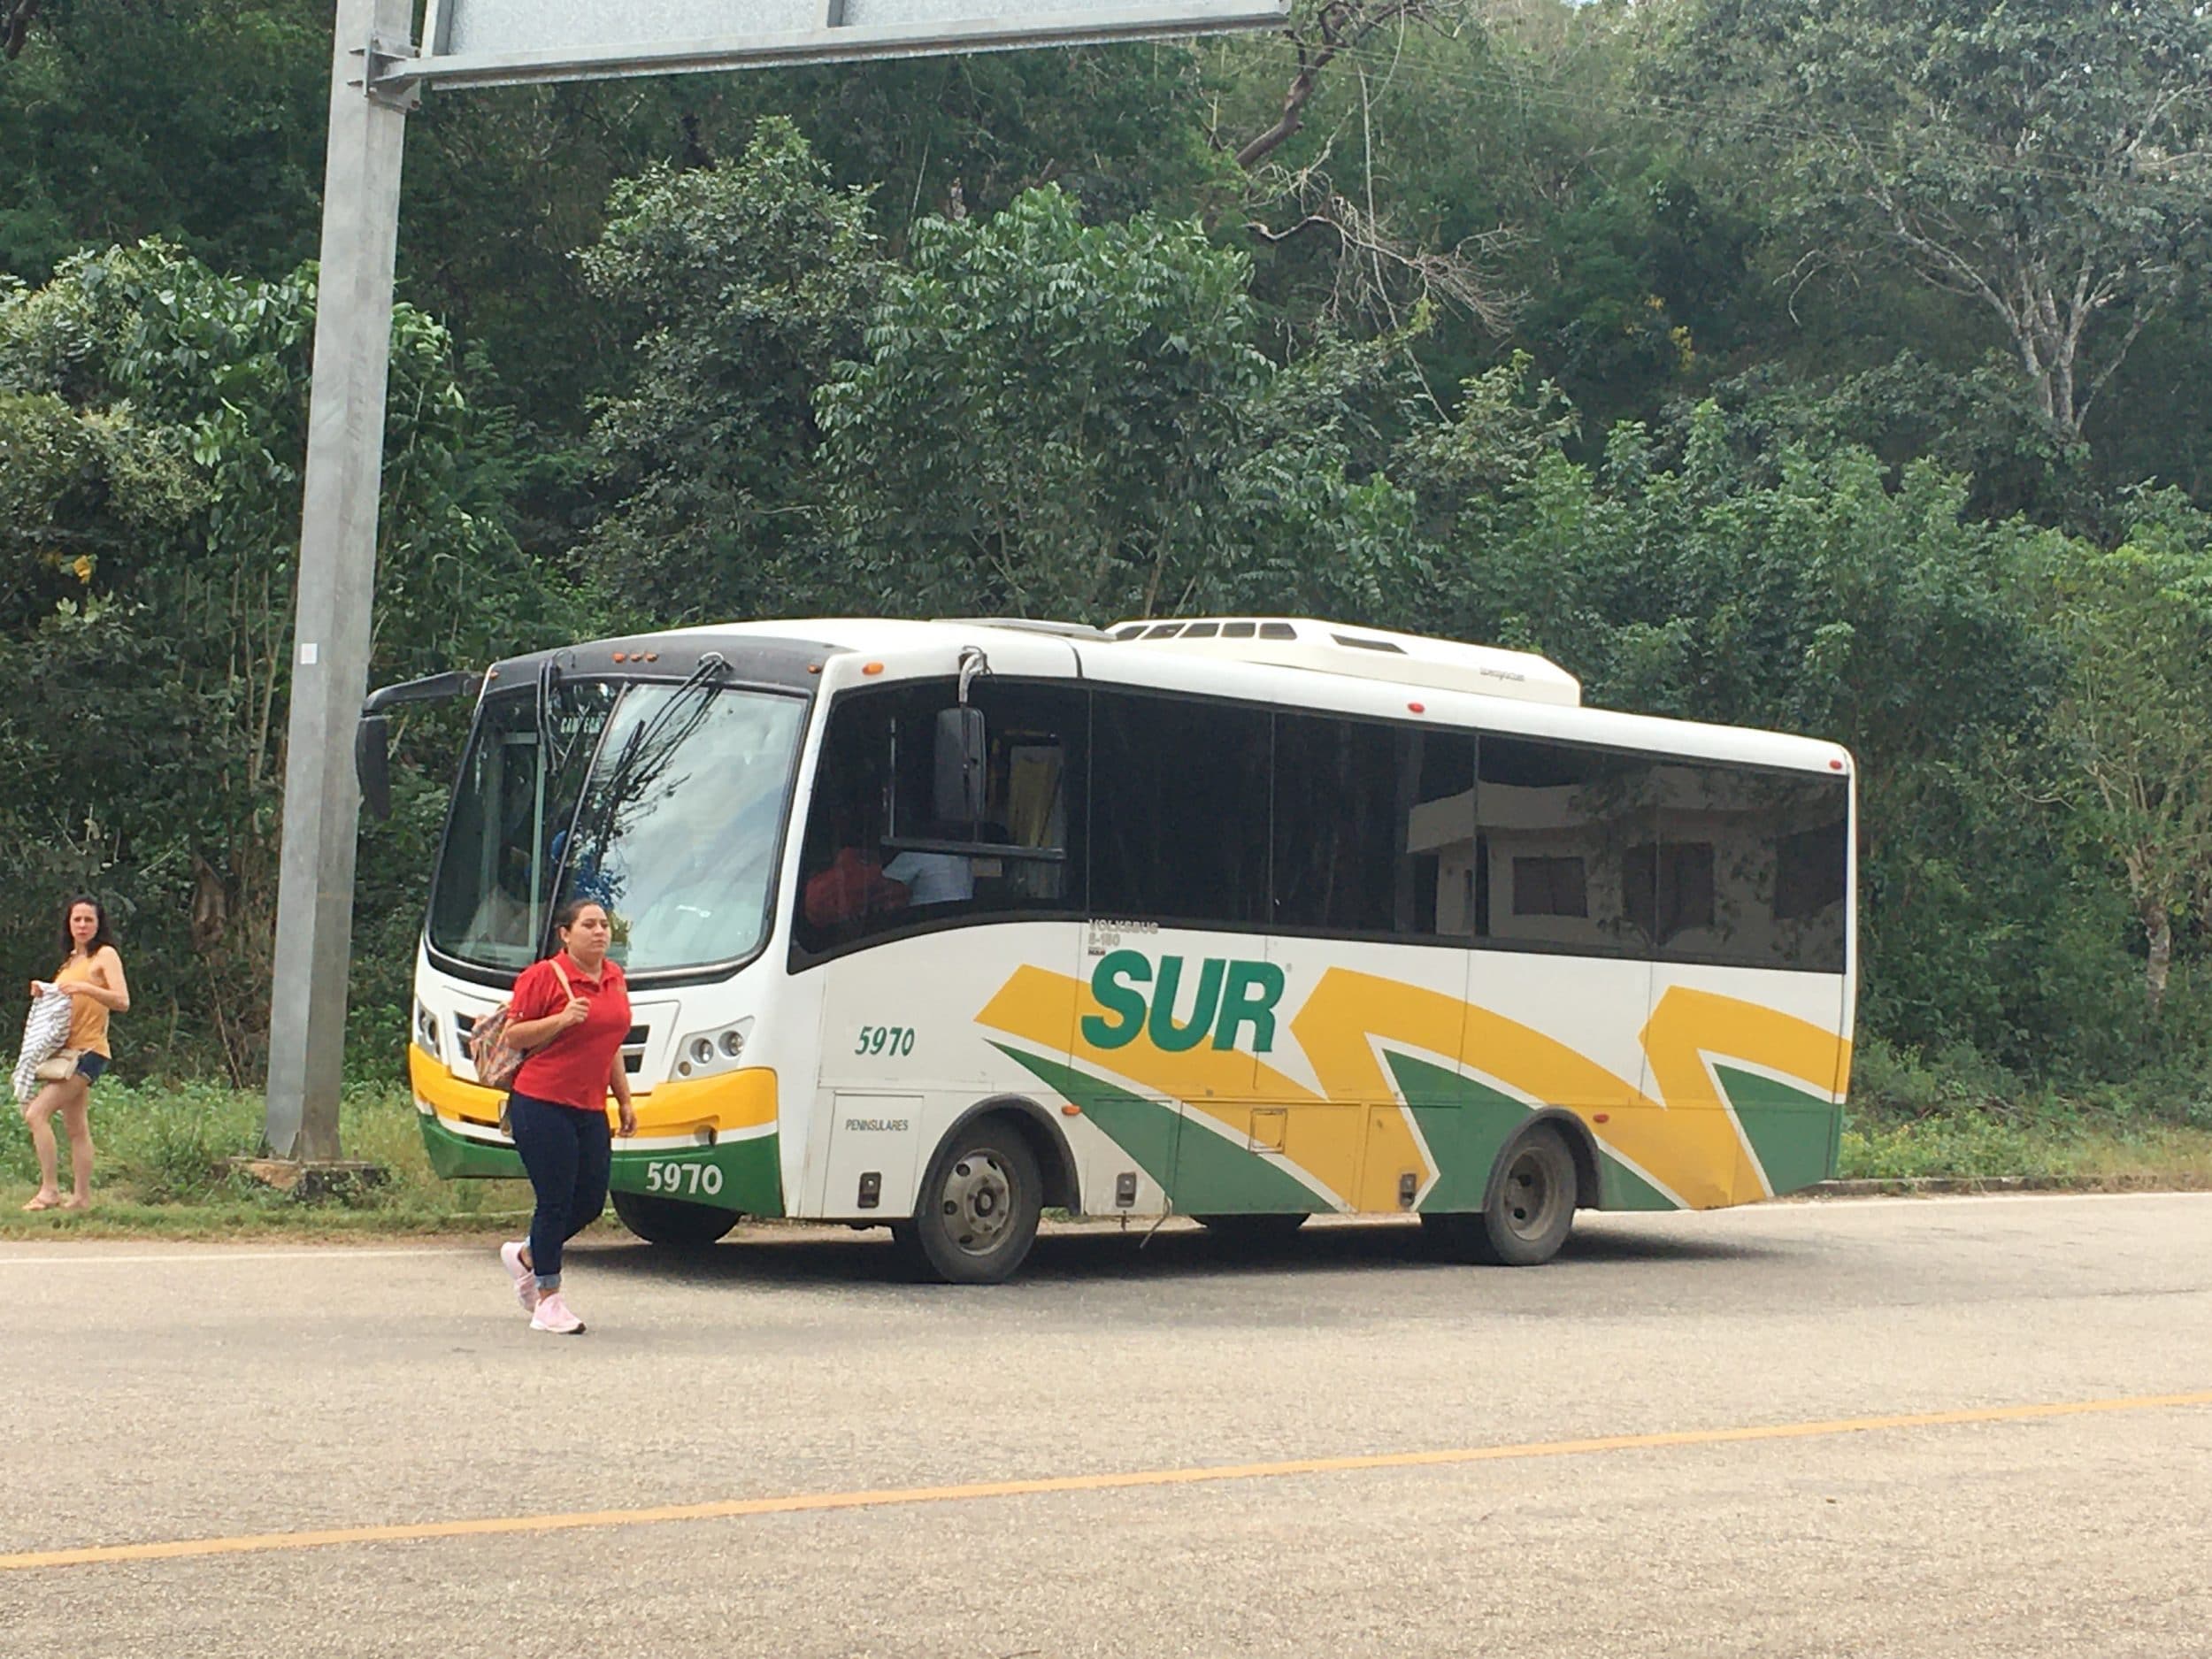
{"points": [[1975, 1144], [162, 1168], [1952, 1113]]}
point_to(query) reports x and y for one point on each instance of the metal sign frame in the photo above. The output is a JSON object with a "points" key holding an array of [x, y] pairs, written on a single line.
{"points": [[833, 38], [377, 76]]}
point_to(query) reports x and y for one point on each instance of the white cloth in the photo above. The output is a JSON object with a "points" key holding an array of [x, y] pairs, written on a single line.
{"points": [[45, 1032], [934, 877]]}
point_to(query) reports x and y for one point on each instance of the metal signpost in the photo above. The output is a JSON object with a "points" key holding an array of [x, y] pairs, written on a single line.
{"points": [[378, 73]]}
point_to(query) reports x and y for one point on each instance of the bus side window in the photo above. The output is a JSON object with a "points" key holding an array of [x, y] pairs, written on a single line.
{"points": [[1178, 809], [844, 892], [1374, 829], [1752, 866], [1033, 776], [1568, 837], [887, 850]]}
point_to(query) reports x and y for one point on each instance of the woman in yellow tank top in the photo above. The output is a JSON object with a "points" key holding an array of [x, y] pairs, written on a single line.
{"points": [[92, 977]]}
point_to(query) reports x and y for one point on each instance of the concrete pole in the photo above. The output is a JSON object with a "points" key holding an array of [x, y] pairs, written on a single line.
{"points": [[336, 587]]}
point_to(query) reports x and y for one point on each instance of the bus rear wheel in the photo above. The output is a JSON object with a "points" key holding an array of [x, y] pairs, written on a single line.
{"points": [[979, 1206], [671, 1221], [1530, 1207]]}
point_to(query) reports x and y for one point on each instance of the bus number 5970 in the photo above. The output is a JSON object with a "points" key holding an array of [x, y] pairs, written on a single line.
{"points": [[683, 1178]]}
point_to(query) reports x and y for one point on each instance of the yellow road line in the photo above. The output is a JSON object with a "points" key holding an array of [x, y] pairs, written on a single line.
{"points": [[810, 1503]]}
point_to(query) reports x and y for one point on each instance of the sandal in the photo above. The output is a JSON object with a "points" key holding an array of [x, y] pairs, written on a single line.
{"points": [[40, 1202], [74, 1203]]}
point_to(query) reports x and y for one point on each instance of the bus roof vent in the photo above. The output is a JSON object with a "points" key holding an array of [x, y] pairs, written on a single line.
{"points": [[1337, 648]]}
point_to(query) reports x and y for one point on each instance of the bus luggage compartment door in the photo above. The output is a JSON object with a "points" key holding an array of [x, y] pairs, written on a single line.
{"points": [[874, 1147]]}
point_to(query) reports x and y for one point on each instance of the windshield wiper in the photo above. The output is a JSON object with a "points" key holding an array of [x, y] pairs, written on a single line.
{"points": [[549, 682], [645, 753]]}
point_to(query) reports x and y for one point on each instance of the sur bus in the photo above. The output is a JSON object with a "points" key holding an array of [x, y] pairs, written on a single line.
{"points": [[938, 924]]}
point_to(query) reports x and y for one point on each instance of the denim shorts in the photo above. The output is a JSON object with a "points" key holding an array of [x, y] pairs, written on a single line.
{"points": [[89, 1066]]}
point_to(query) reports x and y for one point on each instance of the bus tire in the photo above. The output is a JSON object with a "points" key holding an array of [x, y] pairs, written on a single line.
{"points": [[978, 1210], [671, 1221], [1530, 1208], [1253, 1231]]}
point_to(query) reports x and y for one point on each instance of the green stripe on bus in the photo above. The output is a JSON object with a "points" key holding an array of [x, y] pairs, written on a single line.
{"points": [[1202, 1172], [1620, 1187], [1466, 1124], [1794, 1132], [459, 1158], [752, 1177]]}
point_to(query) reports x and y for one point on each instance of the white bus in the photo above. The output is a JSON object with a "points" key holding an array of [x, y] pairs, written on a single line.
{"points": [[937, 926]]}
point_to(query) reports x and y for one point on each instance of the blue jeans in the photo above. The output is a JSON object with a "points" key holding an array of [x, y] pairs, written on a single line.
{"points": [[567, 1153]]}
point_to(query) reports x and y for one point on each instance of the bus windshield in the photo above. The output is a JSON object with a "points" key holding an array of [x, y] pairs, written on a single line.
{"points": [[665, 803]]}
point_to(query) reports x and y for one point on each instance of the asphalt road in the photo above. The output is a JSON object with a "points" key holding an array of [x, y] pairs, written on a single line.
{"points": [[1871, 1428]]}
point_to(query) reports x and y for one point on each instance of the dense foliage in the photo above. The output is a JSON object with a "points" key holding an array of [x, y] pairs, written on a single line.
{"points": [[1836, 367]]}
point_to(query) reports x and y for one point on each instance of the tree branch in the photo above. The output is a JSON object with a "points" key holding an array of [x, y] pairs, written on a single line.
{"points": [[15, 27], [1456, 276], [1342, 24]]}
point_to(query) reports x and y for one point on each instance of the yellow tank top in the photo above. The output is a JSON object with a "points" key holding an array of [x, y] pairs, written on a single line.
{"points": [[89, 1019]]}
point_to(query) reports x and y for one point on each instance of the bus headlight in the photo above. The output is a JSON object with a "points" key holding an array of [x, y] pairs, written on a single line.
{"points": [[706, 1052], [425, 1029]]}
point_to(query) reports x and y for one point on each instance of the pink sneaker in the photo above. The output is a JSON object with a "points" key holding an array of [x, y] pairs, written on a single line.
{"points": [[526, 1281], [552, 1314]]}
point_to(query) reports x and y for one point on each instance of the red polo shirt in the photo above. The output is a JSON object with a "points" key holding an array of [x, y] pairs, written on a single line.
{"points": [[573, 1069]]}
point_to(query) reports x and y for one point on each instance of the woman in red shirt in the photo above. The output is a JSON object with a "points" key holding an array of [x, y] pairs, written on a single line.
{"points": [[570, 1012]]}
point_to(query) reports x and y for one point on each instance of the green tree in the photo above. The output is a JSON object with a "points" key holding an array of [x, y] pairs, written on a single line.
{"points": [[196, 122], [2132, 740], [1046, 421], [745, 282], [2045, 160], [141, 750], [1799, 589]]}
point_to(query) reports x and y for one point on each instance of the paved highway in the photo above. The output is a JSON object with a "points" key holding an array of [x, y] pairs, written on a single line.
{"points": [[1892, 1427]]}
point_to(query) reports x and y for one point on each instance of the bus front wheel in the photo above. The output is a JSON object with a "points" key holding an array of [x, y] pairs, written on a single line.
{"points": [[672, 1221], [1530, 1207], [978, 1208]]}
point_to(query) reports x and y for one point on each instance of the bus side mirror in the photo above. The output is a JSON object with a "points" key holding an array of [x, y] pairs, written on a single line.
{"points": [[372, 763], [962, 749], [372, 736]]}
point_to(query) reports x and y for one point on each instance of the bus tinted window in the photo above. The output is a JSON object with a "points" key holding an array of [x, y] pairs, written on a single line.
{"points": [[1564, 855], [1751, 867], [1374, 828], [1178, 809], [896, 841]]}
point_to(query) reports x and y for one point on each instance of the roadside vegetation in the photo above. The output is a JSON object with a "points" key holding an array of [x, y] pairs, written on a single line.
{"points": [[164, 1166], [165, 1153], [1954, 1115]]}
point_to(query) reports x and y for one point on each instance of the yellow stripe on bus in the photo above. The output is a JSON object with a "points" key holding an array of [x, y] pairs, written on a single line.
{"points": [[1686, 1139], [729, 1101]]}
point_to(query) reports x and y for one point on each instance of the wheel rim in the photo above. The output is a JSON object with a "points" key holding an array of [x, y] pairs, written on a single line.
{"points": [[978, 1203], [1534, 1192]]}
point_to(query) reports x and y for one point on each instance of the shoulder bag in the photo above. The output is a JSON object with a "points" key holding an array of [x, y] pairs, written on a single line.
{"points": [[60, 1066], [495, 1056]]}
